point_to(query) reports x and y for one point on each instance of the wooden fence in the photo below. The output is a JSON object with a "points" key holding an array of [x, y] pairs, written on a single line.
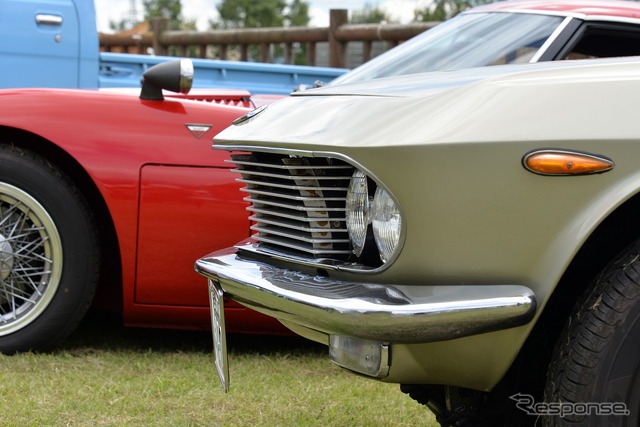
{"points": [[219, 43]]}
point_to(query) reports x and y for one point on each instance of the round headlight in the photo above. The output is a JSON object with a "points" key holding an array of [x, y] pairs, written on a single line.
{"points": [[387, 223], [357, 214]]}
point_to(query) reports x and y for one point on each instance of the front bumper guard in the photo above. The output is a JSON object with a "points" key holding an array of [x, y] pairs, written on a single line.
{"points": [[370, 311]]}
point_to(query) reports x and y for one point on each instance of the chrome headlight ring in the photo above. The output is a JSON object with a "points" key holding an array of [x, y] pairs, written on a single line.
{"points": [[357, 211], [387, 224], [379, 211]]}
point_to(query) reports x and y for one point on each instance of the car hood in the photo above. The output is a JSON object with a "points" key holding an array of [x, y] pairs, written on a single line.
{"points": [[474, 105], [414, 85]]}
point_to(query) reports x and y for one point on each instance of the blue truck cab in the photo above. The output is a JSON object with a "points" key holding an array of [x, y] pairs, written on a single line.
{"points": [[55, 44], [48, 43]]}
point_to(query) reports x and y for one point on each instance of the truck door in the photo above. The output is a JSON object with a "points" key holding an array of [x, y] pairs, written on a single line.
{"points": [[40, 43]]}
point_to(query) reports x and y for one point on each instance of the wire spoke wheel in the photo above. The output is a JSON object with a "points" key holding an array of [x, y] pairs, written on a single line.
{"points": [[30, 259], [45, 222]]}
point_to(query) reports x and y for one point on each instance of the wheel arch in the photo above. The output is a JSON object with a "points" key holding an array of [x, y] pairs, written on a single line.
{"points": [[615, 233], [109, 291]]}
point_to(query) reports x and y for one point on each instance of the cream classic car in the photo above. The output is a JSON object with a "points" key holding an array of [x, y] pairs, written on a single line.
{"points": [[470, 235]]}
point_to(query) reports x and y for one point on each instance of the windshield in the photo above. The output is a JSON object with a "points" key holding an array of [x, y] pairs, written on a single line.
{"points": [[468, 40]]}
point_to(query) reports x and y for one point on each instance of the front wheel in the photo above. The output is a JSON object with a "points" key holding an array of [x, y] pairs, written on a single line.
{"points": [[594, 375], [49, 253]]}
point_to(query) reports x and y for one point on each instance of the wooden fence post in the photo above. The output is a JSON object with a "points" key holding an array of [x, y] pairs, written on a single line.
{"points": [[159, 26], [337, 17], [311, 53]]}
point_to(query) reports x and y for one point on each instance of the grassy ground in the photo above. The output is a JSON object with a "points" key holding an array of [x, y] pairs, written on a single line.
{"points": [[105, 375]]}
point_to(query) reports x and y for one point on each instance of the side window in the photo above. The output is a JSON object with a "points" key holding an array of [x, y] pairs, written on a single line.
{"points": [[604, 41]]}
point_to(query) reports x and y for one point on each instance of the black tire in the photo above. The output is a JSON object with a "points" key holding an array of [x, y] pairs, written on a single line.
{"points": [[49, 253], [596, 363]]}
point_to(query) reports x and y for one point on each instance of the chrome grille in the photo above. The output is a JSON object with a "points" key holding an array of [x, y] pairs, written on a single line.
{"points": [[297, 204]]}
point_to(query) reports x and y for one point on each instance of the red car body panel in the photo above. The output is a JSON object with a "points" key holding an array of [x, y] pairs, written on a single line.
{"points": [[168, 194]]}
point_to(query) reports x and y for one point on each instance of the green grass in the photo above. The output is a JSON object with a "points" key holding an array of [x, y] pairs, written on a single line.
{"points": [[105, 375]]}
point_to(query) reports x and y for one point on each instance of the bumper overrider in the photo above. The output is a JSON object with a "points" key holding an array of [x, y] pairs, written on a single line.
{"points": [[362, 320]]}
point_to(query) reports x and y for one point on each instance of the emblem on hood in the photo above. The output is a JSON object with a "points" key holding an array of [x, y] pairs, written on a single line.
{"points": [[249, 115], [197, 130]]}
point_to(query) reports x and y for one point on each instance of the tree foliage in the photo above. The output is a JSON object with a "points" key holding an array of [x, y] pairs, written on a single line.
{"points": [[265, 14], [251, 13], [262, 14], [441, 10], [167, 9], [298, 14], [369, 15]]}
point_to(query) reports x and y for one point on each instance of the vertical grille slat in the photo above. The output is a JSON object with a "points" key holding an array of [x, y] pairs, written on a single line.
{"points": [[297, 203]]}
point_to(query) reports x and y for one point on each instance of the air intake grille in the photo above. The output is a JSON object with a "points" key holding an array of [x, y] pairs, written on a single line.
{"points": [[297, 203]]}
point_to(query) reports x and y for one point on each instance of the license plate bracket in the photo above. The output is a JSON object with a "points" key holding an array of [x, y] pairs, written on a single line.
{"points": [[216, 302]]}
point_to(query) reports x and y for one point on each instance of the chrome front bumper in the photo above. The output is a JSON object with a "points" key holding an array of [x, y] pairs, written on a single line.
{"points": [[368, 311]]}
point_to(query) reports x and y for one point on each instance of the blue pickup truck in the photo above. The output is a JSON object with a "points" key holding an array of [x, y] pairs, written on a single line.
{"points": [[55, 43]]}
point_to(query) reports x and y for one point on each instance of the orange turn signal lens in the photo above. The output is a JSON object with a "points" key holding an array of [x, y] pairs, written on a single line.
{"points": [[562, 162]]}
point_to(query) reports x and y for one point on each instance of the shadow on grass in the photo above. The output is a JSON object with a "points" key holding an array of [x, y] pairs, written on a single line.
{"points": [[101, 331]]}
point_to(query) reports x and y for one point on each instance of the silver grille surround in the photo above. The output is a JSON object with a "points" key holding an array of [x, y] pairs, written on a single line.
{"points": [[297, 204]]}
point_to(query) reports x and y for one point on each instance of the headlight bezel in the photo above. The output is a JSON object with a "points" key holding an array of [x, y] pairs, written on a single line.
{"points": [[260, 246], [373, 203]]}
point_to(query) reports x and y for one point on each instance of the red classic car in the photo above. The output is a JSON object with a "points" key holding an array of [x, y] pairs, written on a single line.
{"points": [[114, 194]]}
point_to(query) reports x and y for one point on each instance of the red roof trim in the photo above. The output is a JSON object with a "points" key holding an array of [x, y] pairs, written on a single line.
{"points": [[603, 8]]}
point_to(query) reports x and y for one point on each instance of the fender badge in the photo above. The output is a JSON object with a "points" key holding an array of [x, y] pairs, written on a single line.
{"points": [[197, 130], [249, 115]]}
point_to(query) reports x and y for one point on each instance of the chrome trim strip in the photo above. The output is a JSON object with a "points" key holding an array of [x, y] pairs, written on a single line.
{"points": [[250, 246], [289, 167], [260, 192], [552, 38], [307, 249], [277, 233], [245, 172], [291, 187], [283, 205], [390, 313], [280, 222], [300, 218], [277, 150]]}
